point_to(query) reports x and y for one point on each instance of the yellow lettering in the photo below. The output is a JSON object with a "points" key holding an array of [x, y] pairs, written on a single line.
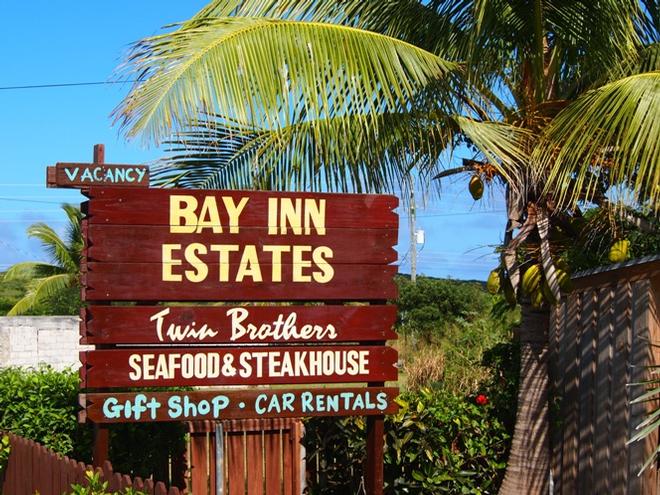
{"points": [[234, 212], [200, 271], [224, 250], [272, 216], [299, 263], [320, 255], [291, 215], [277, 260], [249, 266], [169, 262], [180, 212], [315, 214], [209, 216]]}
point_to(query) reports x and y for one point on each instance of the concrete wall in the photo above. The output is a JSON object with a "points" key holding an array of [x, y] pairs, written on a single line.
{"points": [[30, 340]]}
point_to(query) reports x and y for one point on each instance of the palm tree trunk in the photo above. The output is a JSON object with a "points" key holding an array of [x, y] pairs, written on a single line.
{"points": [[529, 460]]}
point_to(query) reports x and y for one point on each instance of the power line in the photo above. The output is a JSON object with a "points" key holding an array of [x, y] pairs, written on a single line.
{"points": [[64, 85]]}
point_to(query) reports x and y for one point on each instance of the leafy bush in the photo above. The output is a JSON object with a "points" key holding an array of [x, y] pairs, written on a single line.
{"points": [[42, 405], [95, 486], [5, 450], [439, 442], [427, 306]]}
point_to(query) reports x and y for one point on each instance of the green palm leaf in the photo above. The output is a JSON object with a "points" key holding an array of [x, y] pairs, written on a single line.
{"points": [[332, 154], [270, 73], [31, 269], [42, 289], [613, 130]]}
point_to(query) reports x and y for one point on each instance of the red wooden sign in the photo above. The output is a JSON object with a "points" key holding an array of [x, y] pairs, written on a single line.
{"points": [[80, 175], [128, 244], [236, 324], [196, 211], [237, 404], [195, 366], [144, 282], [182, 245]]}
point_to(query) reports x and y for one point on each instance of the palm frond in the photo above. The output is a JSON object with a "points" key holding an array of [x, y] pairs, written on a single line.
{"points": [[40, 290], [270, 73], [352, 153], [53, 244], [504, 146], [435, 27], [31, 269], [612, 130]]}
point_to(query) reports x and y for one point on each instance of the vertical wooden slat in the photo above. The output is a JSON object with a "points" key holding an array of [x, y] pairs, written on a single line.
{"points": [[255, 466], [296, 436], [555, 330], [603, 386], [273, 458], [586, 387], [570, 399], [640, 358], [199, 458], [620, 378], [287, 462], [236, 463]]}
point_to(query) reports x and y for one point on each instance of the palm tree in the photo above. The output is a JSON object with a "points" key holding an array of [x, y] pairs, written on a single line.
{"points": [[50, 280], [555, 99]]}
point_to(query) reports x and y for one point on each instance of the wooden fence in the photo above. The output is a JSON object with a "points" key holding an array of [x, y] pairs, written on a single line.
{"points": [[261, 457], [602, 338], [33, 468]]}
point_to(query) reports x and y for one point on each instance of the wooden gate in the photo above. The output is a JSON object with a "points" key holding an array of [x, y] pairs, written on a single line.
{"points": [[261, 457], [603, 337]]}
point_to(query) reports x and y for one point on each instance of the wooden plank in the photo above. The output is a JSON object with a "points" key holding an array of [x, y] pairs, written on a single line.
{"points": [[199, 462], [603, 388], [119, 206], [255, 462], [190, 366], [571, 396], [144, 282], [81, 175], [125, 243], [297, 456], [618, 479], [240, 404], [374, 470], [640, 359], [287, 463], [236, 324], [273, 462], [587, 364], [236, 463], [554, 331]]}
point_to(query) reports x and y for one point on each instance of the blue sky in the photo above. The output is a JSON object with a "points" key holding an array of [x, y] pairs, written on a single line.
{"points": [[46, 42]]}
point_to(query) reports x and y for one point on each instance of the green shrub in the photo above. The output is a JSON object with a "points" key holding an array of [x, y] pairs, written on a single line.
{"points": [[95, 486], [439, 442], [42, 404], [5, 450], [427, 306]]}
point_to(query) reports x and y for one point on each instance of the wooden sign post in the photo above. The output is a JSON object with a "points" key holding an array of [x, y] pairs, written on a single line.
{"points": [[299, 284]]}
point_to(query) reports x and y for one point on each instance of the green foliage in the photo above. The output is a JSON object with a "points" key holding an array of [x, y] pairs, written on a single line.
{"points": [[439, 442], [42, 405], [51, 285], [427, 306], [142, 449], [601, 228], [95, 486], [447, 325], [5, 450]]}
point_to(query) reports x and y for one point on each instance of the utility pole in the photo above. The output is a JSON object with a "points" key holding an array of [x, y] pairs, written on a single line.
{"points": [[413, 232]]}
